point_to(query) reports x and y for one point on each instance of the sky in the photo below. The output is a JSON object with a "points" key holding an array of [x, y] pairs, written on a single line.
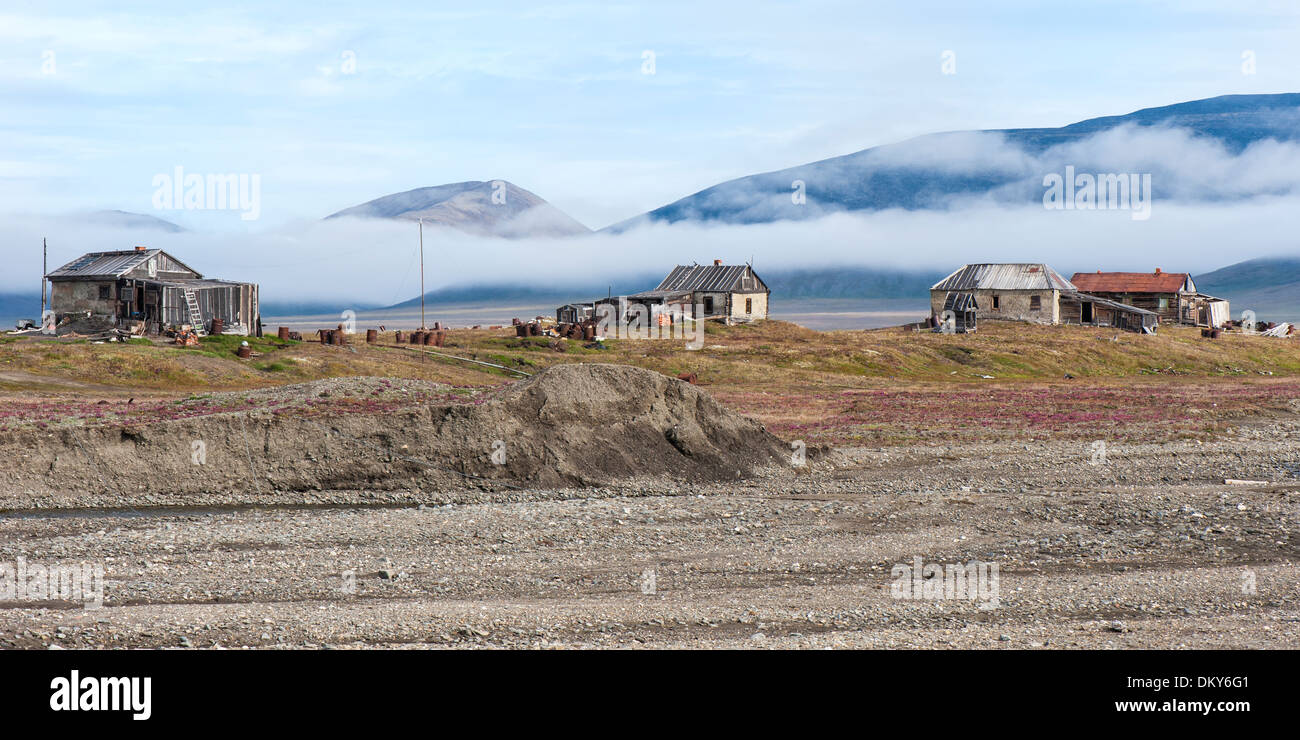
{"points": [[604, 109]]}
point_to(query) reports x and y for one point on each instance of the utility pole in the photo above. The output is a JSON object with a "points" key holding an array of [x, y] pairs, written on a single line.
{"points": [[45, 269], [421, 274]]}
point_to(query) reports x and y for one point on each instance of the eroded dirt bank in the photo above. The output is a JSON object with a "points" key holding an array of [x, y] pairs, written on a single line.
{"points": [[573, 425]]}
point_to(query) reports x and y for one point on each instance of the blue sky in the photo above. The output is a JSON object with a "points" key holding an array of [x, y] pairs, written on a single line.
{"points": [[553, 96]]}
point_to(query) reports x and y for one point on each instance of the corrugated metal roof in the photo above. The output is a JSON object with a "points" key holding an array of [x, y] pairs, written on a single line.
{"points": [[1131, 282], [704, 277], [104, 264], [1024, 276]]}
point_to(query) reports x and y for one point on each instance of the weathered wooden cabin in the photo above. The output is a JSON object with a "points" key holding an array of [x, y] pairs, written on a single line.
{"points": [[149, 288], [1091, 310], [1172, 296], [729, 293]]}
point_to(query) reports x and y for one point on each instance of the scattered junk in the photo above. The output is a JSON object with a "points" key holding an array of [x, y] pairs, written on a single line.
{"points": [[25, 324], [186, 337], [1280, 330], [107, 290], [691, 378]]}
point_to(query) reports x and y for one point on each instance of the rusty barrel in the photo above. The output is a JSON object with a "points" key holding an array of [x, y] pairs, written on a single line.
{"points": [[521, 330], [372, 336], [397, 337], [282, 333], [439, 337], [336, 337], [244, 352], [324, 335], [217, 325], [426, 338]]}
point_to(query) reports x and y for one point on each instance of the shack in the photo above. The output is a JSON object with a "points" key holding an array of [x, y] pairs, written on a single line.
{"points": [[148, 290], [1172, 296], [1091, 310], [728, 293]]}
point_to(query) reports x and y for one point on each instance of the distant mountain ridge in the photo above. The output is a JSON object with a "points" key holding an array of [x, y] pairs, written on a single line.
{"points": [[1268, 286], [481, 207], [129, 220], [927, 173]]}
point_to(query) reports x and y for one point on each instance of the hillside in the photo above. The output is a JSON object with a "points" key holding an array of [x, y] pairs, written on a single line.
{"points": [[938, 170], [491, 208], [1270, 287]]}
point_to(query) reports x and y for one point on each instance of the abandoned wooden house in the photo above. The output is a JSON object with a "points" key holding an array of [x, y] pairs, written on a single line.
{"points": [[1020, 292], [1091, 310], [149, 290], [1172, 296], [1029, 292], [574, 313], [733, 294], [728, 293]]}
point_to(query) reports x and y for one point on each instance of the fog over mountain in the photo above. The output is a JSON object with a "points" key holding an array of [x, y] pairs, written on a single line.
{"points": [[487, 208], [1229, 147]]}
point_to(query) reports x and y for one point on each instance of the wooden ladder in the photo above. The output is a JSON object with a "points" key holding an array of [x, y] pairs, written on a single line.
{"points": [[196, 316]]}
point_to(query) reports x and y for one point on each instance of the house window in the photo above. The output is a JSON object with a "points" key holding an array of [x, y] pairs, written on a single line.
{"points": [[749, 305], [996, 303], [1035, 303], [1164, 303], [105, 292], [708, 305]]}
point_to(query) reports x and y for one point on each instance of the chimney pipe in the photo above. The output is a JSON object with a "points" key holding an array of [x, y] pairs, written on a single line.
{"points": [[139, 248], [717, 262], [1157, 270]]}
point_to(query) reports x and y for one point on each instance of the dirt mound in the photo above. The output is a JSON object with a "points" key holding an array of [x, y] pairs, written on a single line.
{"points": [[572, 425]]}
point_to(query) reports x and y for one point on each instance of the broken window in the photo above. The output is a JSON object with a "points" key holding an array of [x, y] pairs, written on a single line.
{"points": [[749, 305], [1035, 303], [996, 303], [105, 292]]}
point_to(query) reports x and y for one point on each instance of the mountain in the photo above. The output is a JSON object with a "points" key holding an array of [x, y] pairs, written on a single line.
{"points": [[937, 170], [129, 220], [1270, 287], [14, 306], [496, 208]]}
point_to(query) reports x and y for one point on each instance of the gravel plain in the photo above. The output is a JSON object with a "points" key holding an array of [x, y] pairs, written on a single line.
{"points": [[1127, 546]]}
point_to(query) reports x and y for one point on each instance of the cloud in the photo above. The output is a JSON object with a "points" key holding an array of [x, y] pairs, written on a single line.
{"points": [[372, 261]]}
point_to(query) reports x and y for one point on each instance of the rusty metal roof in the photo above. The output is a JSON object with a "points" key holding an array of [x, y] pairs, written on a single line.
{"points": [[104, 264], [718, 278], [1134, 282], [1017, 276]]}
